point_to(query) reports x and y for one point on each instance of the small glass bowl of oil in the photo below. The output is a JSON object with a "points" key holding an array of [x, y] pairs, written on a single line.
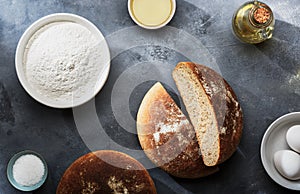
{"points": [[151, 14]]}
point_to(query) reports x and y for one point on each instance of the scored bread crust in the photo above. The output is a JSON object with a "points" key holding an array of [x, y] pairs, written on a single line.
{"points": [[106, 171], [167, 137], [226, 110]]}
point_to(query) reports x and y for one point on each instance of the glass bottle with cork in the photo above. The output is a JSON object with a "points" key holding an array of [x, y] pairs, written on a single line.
{"points": [[253, 22]]}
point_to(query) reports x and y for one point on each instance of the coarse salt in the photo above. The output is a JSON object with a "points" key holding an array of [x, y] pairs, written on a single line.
{"points": [[28, 170]]}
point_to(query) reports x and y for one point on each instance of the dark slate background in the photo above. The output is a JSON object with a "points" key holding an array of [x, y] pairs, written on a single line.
{"points": [[265, 77]]}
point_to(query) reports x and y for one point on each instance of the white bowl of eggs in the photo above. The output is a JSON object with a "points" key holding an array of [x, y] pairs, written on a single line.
{"points": [[280, 151]]}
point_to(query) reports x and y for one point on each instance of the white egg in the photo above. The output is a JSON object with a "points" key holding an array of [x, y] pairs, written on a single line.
{"points": [[293, 137], [287, 163]]}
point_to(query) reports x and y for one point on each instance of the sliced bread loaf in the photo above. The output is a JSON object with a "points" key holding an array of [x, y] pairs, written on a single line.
{"points": [[167, 137], [213, 109]]}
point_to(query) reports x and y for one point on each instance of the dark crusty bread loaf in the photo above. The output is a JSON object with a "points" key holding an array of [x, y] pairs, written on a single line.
{"points": [[213, 109], [106, 172], [167, 137]]}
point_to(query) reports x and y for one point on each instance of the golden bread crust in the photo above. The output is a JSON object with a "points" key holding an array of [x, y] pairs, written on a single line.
{"points": [[106, 171]]}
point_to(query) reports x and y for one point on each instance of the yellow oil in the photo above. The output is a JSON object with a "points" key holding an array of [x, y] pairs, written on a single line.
{"points": [[151, 12], [245, 30]]}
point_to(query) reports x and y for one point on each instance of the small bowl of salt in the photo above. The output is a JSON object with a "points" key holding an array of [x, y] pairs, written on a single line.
{"points": [[27, 170]]}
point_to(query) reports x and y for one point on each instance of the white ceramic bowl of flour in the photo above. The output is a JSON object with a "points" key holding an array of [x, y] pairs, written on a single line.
{"points": [[62, 60]]}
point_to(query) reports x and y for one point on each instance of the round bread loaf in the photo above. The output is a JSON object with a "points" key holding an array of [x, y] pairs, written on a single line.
{"points": [[167, 137], [213, 109], [106, 172]]}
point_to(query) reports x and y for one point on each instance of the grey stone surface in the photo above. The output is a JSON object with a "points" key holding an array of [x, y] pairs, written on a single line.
{"points": [[265, 77]]}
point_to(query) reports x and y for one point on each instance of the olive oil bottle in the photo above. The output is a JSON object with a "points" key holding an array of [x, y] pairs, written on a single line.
{"points": [[253, 22]]}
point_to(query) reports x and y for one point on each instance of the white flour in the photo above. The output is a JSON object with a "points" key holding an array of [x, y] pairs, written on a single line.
{"points": [[162, 128], [62, 61]]}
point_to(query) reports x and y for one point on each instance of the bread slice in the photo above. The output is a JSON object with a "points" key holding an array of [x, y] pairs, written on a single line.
{"points": [[167, 137], [106, 171], [213, 109]]}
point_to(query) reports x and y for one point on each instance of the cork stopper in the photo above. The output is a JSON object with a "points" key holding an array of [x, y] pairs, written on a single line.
{"points": [[261, 15]]}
